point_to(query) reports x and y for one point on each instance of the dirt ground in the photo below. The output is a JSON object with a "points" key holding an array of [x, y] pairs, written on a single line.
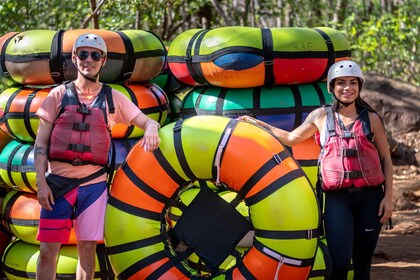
{"points": [[397, 255]]}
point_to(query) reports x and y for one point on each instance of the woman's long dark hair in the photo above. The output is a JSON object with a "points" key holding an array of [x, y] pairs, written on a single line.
{"points": [[359, 102]]}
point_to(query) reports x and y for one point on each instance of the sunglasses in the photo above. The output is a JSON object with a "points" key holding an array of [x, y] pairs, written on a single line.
{"points": [[83, 55]]}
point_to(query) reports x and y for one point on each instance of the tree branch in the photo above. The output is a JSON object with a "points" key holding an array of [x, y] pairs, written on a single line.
{"points": [[94, 13]]}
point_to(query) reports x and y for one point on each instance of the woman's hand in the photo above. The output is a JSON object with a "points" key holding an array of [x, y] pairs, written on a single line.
{"points": [[385, 209]]}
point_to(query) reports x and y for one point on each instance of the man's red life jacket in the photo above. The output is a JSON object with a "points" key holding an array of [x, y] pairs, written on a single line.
{"points": [[80, 134], [348, 157]]}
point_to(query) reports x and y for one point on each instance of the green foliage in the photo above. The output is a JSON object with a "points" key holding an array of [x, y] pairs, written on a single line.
{"points": [[387, 43], [383, 34], [21, 15]]}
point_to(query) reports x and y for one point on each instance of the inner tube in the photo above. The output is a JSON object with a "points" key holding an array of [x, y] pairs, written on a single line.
{"points": [[246, 159], [241, 57], [282, 106], [17, 166], [20, 104], [21, 212], [43, 57], [151, 100], [19, 262]]}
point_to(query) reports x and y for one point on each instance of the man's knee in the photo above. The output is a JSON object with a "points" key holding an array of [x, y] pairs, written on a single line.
{"points": [[49, 250]]}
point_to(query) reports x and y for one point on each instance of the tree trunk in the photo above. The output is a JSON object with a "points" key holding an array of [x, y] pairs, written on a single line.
{"points": [[95, 9]]}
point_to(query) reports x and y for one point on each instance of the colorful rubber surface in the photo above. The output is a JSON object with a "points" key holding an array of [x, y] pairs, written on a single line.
{"points": [[250, 161], [43, 57], [240, 57]]}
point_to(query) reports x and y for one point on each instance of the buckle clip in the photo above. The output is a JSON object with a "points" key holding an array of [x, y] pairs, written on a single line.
{"points": [[269, 62], [177, 127], [277, 158], [309, 234]]}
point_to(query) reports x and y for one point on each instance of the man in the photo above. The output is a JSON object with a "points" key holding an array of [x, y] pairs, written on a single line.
{"points": [[73, 141]]}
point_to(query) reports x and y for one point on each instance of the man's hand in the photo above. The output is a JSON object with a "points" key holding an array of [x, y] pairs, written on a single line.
{"points": [[45, 196], [151, 138]]}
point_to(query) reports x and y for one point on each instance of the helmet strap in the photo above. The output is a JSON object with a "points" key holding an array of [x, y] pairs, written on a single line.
{"points": [[345, 104], [92, 79]]}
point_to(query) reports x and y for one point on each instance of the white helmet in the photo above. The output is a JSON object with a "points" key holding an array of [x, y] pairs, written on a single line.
{"points": [[345, 68], [90, 40]]}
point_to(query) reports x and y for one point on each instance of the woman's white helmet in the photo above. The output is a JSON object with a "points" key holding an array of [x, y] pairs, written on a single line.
{"points": [[345, 68], [90, 40]]}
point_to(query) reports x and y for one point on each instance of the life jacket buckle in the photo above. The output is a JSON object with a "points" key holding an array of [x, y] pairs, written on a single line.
{"points": [[349, 152], [352, 174], [85, 111], [277, 158], [81, 126], [348, 134]]}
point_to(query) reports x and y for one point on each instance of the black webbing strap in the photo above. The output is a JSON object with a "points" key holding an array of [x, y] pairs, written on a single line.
{"points": [[197, 103], [143, 186], [364, 117], [134, 245], [127, 208], [105, 271], [331, 53], [10, 162], [109, 100], [267, 42], [244, 271], [111, 166], [160, 108], [179, 150], [298, 105], [319, 93], [7, 208], [129, 59], [164, 163], [27, 115], [194, 67], [57, 60], [260, 173], [220, 101], [3, 59], [287, 234], [13, 271], [27, 168], [330, 125], [274, 186], [163, 52], [168, 265], [326, 272], [131, 270], [7, 113]]}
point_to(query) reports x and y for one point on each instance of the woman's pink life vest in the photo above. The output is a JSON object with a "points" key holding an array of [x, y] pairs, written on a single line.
{"points": [[348, 157], [80, 134]]}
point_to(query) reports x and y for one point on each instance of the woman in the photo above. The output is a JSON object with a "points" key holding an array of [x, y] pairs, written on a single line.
{"points": [[355, 169]]}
